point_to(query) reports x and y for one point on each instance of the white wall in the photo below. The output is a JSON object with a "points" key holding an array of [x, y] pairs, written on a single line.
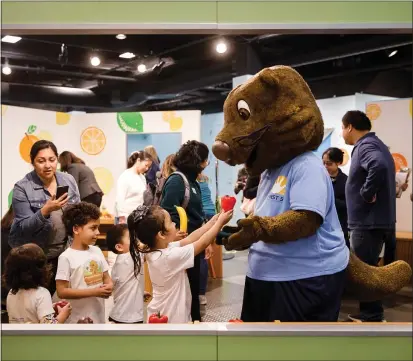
{"points": [[108, 164]]}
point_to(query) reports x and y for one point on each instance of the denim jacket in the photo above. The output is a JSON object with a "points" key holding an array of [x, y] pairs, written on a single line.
{"points": [[29, 225]]}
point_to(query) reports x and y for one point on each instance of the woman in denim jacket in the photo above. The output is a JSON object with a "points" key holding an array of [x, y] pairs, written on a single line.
{"points": [[38, 214]]}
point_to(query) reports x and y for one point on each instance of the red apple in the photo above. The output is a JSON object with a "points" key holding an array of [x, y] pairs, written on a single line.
{"points": [[228, 203], [61, 304]]}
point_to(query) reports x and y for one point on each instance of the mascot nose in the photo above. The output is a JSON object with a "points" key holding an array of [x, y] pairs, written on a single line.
{"points": [[221, 150]]}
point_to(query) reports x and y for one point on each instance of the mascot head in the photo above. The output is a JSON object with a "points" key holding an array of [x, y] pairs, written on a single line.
{"points": [[269, 120]]}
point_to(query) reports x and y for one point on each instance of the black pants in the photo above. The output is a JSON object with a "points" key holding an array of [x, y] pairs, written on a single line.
{"points": [[125, 323], [367, 245], [52, 283], [95, 198], [315, 299], [194, 275], [390, 248]]}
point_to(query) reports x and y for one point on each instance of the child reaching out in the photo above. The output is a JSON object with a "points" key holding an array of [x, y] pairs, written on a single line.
{"points": [[82, 271], [27, 275], [128, 289], [168, 260]]}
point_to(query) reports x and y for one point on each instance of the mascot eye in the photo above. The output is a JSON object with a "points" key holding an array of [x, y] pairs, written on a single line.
{"points": [[243, 109]]}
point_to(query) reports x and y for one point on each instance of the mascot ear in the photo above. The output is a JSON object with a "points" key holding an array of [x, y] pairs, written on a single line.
{"points": [[269, 77]]}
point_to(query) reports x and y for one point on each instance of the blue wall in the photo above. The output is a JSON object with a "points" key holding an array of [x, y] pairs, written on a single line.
{"points": [[324, 146], [164, 143]]}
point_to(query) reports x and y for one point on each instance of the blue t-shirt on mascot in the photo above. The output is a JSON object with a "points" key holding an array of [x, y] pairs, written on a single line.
{"points": [[301, 184]]}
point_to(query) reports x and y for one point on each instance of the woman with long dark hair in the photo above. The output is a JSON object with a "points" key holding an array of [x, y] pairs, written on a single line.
{"points": [[191, 159], [85, 178]]}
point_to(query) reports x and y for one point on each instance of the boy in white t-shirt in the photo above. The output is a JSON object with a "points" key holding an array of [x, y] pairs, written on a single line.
{"points": [[82, 271], [128, 289], [152, 228]]}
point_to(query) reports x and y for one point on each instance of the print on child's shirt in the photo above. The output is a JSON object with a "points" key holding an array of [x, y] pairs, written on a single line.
{"points": [[278, 189], [93, 273]]}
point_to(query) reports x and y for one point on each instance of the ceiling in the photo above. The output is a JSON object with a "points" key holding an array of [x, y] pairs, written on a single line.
{"points": [[185, 71]]}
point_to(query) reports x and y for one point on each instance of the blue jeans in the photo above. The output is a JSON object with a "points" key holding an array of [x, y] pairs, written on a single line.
{"points": [[367, 245]]}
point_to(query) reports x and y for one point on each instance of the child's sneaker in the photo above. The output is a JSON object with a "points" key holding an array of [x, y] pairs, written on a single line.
{"points": [[202, 300]]}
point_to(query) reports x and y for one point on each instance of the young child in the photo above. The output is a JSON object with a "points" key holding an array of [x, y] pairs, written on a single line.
{"points": [[128, 290], [27, 275], [168, 260], [82, 271]]}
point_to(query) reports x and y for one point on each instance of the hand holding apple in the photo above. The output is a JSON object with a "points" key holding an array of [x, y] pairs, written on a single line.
{"points": [[228, 203]]}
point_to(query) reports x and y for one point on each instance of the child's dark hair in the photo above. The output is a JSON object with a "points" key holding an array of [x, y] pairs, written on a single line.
{"points": [[114, 236], [79, 214], [336, 155], [26, 268], [144, 224]]}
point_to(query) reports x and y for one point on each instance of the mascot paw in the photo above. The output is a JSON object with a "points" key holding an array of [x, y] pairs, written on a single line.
{"points": [[247, 235]]}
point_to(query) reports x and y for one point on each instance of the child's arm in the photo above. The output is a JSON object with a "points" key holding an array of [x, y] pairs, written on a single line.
{"points": [[65, 292], [107, 280], [195, 235], [208, 237]]}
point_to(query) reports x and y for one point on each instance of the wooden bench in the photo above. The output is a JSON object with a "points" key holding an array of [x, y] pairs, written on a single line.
{"points": [[404, 247]]}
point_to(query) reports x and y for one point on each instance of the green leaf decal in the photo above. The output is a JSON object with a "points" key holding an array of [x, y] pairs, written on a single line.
{"points": [[31, 129]]}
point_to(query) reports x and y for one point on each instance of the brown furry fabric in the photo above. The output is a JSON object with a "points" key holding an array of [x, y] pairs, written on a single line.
{"points": [[268, 121]]}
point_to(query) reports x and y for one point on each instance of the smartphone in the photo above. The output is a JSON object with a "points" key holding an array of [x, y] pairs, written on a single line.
{"points": [[61, 190]]}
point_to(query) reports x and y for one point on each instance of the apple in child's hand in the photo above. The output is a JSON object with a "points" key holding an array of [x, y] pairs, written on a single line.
{"points": [[60, 304], [85, 320], [228, 203], [158, 318]]}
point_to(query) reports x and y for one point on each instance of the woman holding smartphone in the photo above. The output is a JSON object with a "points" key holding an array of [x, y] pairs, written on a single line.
{"points": [[38, 200]]}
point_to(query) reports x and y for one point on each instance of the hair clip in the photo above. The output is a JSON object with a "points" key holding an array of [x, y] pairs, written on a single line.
{"points": [[140, 213]]}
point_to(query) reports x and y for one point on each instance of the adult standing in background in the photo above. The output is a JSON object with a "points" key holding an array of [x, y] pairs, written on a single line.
{"points": [[371, 198], [85, 178], [38, 214], [131, 185], [191, 159], [332, 159], [155, 166]]}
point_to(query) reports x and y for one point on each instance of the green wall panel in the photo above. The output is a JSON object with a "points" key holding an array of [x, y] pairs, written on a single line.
{"points": [[212, 12], [109, 347], [315, 12], [314, 348], [66, 12]]}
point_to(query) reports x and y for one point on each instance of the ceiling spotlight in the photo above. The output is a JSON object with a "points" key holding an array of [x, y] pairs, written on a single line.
{"points": [[11, 39], [127, 55], [141, 68], [121, 36], [393, 53], [221, 47], [94, 60], [6, 70]]}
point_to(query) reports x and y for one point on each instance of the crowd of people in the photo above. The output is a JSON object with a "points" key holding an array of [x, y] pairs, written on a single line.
{"points": [[49, 238]]}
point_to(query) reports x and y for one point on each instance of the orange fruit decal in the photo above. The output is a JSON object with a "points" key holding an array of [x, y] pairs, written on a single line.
{"points": [[92, 140], [373, 111], [62, 118], [27, 142], [345, 157], [45, 135], [410, 107], [4, 109], [399, 161]]}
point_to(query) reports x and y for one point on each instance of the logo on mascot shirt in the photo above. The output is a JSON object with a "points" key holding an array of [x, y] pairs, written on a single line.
{"points": [[278, 189]]}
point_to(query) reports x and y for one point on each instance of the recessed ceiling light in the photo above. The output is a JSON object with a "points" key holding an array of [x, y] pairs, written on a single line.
{"points": [[6, 70], [95, 61], [127, 55], [11, 39], [141, 68], [393, 53], [221, 47], [121, 36]]}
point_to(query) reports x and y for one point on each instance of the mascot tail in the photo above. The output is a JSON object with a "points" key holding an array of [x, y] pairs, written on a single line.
{"points": [[367, 283]]}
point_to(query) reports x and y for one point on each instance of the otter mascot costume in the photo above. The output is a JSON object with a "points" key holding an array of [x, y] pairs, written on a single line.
{"points": [[298, 264]]}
